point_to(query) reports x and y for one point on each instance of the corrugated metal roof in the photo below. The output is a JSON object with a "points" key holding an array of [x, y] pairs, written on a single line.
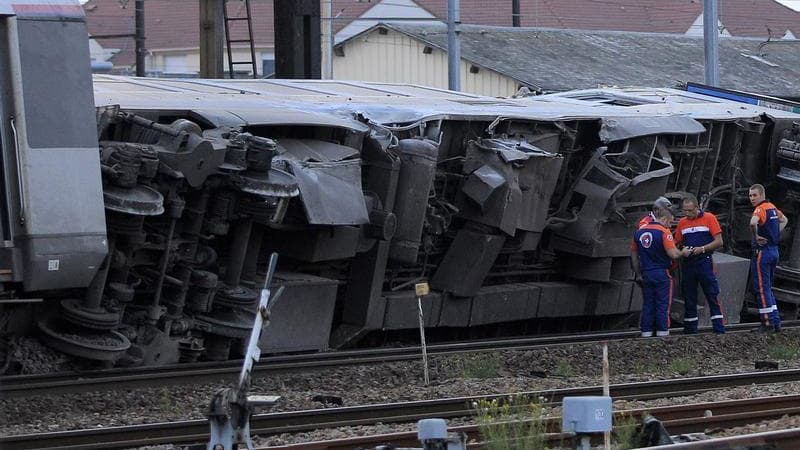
{"points": [[558, 60]]}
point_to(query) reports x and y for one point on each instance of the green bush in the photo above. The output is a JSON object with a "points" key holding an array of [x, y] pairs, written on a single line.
{"points": [[786, 351], [564, 369], [626, 432], [681, 365], [485, 365], [515, 424]]}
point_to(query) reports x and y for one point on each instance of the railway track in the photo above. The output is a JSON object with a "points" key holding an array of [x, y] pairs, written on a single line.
{"points": [[302, 421], [683, 419], [182, 374]]}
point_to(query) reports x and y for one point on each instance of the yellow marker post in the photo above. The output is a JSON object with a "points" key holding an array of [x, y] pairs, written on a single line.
{"points": [[422, 289]]}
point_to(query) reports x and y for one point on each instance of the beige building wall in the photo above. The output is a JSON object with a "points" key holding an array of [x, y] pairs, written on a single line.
{"points": [[397, 58], [187, 61]]}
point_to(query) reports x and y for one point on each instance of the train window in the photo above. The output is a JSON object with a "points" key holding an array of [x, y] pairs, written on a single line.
{"points": [[59, 111]]}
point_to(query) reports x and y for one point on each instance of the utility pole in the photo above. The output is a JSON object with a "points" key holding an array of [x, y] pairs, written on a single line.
{"points": [[453, 45], [711, 42], [297, 39], [211, 38], [326, 8], [140, 50]]}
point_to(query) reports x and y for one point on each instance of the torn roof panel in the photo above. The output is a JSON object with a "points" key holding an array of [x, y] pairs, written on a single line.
{"points": [[619, 128]]}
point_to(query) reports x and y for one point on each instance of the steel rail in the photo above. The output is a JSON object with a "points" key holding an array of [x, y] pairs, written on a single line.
{"points": [[782, 440], [181, 374], [302, 421], [777, 440]]}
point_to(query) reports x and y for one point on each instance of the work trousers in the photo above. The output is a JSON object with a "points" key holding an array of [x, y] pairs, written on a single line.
{"points": [[656, 301], [762, 270], [700, 271]]}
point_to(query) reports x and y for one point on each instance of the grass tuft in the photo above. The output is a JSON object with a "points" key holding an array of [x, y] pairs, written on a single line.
{"points": [[513, 424]]}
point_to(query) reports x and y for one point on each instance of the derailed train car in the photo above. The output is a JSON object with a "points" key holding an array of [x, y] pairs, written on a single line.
{"points": [[143, 227]]}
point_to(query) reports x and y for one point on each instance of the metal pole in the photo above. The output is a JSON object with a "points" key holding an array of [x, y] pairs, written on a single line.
{"points": [[327, 38], [331, 41], [453, 46], [711, 41], [212, 31], [515, 14], [140, 50], [422, 341]]}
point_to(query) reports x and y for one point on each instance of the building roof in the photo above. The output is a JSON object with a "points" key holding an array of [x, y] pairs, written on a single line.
{"points": [[174, 24], [559, 60]]}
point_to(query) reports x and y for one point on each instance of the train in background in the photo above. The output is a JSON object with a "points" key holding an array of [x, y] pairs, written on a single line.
{"points": [[137, 213]]}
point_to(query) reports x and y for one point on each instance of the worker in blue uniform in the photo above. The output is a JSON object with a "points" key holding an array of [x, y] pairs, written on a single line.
{"points": [[766, 225], [700, 233], [652, 251]]}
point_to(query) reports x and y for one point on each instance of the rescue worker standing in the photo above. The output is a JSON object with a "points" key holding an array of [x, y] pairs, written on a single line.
{"points": [[766, 225], [700, 234], [652, 251]]}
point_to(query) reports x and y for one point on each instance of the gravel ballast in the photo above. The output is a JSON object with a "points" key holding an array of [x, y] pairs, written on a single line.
{"points": [[451, 376]]}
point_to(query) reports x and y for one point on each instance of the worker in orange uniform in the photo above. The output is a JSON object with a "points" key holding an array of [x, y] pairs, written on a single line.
{"points": [[699, 233], [766, 225], [652, 251]]}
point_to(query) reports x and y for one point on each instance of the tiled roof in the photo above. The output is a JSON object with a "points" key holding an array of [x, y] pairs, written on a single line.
{"points": [[174, 24], [559, 60]]}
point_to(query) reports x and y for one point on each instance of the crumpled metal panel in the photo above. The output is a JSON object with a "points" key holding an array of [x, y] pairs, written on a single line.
{"points": [[481, 184], [315, 151], [598, 184], [331, 192], [509, 184], [467, 262], [619, 128]]}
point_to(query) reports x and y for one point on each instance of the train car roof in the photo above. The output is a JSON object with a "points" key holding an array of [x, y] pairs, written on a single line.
{"points": [[340, 103]]}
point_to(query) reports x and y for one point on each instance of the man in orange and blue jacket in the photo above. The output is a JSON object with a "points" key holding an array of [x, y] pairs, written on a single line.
{"points": [[766, 225], [652, 251], [700, 234]]}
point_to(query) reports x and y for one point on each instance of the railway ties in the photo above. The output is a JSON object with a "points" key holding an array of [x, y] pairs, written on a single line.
{"points": [[182, 374], [677, 419]]}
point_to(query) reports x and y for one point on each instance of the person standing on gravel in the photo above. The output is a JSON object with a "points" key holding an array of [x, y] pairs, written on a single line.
{"points": [[766, 225], [700, 234], [652, 251]]}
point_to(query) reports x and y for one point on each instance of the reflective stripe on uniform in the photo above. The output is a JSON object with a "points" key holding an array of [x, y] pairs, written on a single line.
{"points": [[698, 229], [767, 310], [690, 319], [717, 317], [662, 333], [647, 334]]}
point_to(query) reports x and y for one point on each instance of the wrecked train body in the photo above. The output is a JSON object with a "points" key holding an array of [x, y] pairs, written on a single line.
{"points": [[143, 228], [518, 212]]}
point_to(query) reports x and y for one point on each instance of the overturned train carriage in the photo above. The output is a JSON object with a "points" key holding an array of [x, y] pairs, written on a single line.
{"points": [[518, 212], [135, 230]]}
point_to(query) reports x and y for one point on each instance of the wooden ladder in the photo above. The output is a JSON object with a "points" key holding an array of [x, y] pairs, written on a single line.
{"points": [[248, 17]]}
